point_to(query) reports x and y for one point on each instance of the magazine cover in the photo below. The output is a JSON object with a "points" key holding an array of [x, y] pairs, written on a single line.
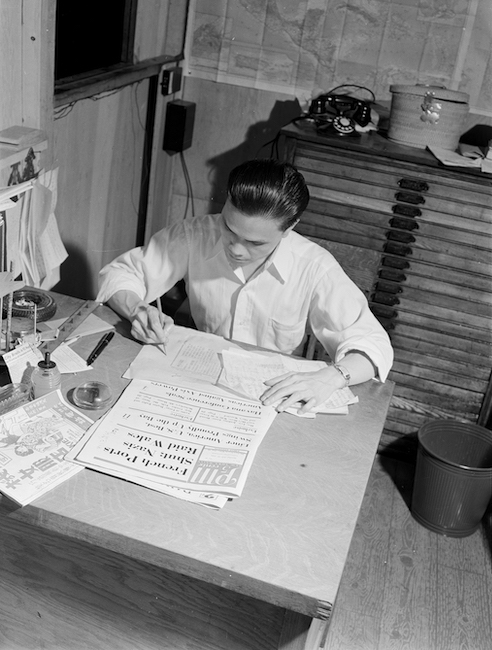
{"points": [[34, 439]]}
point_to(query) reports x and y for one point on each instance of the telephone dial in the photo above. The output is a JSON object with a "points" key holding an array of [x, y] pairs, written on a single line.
{"points": [[339, 114]]}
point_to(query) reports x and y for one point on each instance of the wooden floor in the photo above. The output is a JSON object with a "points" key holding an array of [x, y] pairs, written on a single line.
{"points": [[405, 587]]}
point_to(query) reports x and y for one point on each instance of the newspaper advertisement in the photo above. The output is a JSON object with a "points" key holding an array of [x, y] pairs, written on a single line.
{"points": [[177, 435]]}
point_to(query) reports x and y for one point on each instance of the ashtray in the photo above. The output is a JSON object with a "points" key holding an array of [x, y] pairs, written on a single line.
{"points": [[92, 395]]}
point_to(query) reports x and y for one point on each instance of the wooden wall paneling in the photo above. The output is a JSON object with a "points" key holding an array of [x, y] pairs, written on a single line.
{"points": [[98, 146], [232, 125], [38, 51], [10, 63], [159, 212]]}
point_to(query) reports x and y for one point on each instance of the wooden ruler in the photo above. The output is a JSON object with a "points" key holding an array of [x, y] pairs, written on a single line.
{"points": [[67, 328]]}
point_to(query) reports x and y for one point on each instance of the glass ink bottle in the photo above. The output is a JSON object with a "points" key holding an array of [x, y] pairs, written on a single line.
{"points": [[45, 378]]}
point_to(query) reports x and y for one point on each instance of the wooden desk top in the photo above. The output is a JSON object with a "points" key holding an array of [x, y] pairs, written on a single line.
{"points": [[284, 541]]}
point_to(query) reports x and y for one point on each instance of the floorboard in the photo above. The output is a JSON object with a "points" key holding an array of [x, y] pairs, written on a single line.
{"points": [[405, 587]]}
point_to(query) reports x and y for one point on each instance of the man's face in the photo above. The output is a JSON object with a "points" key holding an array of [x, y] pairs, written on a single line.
{"points": [[248, 239]]}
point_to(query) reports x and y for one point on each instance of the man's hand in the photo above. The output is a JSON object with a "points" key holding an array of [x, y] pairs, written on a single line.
{"points": [[309, 388], [149, 326], [313, 388]]}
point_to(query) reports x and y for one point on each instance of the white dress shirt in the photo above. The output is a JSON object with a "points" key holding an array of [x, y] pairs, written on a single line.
{"points": [[300, 283]]}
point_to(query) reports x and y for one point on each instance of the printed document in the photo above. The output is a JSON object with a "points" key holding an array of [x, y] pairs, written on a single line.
{"points": [[176, 435]]}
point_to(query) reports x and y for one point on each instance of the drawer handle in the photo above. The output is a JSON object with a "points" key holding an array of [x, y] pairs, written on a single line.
{"points": [[392, 274], [409, 197], [411, 184], [403, 224], [404, 237], [383, 312], [406, 210], [395, 262], [395, 248], [386, 299], [388, 287]]}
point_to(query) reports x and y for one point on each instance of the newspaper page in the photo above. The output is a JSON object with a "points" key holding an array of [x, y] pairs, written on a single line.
{"points": [[180, 435], [246, 373], [34, 439]]}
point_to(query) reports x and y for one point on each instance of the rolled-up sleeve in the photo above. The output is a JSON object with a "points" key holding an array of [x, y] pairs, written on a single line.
{"points": [[342, 321], [148, 271]]}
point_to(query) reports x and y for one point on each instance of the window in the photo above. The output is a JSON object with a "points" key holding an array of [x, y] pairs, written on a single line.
{"points": [[92, 35]]}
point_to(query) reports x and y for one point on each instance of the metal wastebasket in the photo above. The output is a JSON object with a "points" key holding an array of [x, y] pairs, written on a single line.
{"points": [[453, 477]]}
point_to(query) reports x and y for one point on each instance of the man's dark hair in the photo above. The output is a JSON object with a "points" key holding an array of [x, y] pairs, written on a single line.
{"points": [[268, 188]]}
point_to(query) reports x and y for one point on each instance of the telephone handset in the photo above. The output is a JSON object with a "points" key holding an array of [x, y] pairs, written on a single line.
{"points": [[340, 112]]}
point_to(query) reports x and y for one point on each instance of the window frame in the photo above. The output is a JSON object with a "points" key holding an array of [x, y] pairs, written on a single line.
{"points": [[92, 82]]}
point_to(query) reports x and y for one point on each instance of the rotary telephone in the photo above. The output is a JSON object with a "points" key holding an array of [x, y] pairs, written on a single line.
{"points": [[339, 114]]}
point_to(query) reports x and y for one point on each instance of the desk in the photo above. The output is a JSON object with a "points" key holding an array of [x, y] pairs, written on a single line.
{"points": [[282, 545]]}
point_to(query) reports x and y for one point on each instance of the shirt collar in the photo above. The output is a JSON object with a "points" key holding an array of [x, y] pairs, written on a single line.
{"points": [[280, 263]]}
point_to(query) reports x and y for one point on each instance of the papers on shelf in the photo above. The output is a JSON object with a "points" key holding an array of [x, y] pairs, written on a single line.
{"points": [[34, 246], [34, 439], [474, 158], [197, 444]]}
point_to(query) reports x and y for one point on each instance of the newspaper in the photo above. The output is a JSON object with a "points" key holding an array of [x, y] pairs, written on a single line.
{"points": [[162, 435], [34, 439]]}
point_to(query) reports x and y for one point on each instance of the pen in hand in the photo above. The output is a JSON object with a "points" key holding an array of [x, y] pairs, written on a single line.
{"points": [[161, 346], [99, 347]]}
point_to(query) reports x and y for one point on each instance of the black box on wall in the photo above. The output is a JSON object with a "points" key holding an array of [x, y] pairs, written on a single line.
{"points": [[178, 130]]}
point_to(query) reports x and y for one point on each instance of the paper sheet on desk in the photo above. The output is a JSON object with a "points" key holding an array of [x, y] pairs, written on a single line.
{"points": [[22, 360], [246, 373], [203, 357], [191, 354]]}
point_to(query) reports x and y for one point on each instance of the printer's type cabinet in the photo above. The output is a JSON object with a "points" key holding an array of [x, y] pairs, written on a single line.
{"points": [[416, 237]]}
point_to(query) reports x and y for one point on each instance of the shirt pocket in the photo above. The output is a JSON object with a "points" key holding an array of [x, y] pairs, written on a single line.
{"points": [[287, 337]]}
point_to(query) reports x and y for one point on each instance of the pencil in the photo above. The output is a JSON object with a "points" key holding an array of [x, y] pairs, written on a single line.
{"points": [[162, 346]]}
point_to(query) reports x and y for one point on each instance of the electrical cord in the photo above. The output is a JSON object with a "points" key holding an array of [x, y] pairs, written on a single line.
{"points": [[373, 96], [189, 187]]}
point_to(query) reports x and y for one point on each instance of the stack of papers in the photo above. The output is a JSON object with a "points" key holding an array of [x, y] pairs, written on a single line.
{"points": [[22, 360], [211, 359], [190, 422], [34, 245], [469, 157]]}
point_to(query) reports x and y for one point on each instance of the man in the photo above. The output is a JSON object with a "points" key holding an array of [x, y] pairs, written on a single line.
{"points": [[250, 278]]}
